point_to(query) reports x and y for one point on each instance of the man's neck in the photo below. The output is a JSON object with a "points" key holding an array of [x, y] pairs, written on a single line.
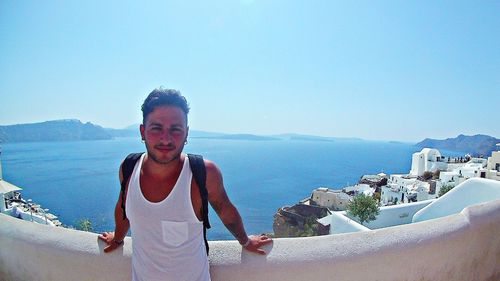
{"points": [[161, 170]]}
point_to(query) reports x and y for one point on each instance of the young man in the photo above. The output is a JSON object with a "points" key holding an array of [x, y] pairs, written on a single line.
{"points": [[163, 203]]}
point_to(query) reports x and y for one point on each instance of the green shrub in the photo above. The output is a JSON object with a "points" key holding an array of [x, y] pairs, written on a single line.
{"points": [[85, 224], [444, 189], [365, 208]]}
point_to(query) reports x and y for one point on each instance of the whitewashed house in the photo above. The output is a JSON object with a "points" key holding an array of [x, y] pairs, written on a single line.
{"points": [[452, 171], [390, 195], [404, 191], [359, 189], [471, 169], [335, 200], [493, 165], [428, 159], [374, 178], [395, 190], [450, 178]]}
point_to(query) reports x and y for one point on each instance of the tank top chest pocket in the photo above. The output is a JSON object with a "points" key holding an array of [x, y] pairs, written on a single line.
{"points": [[174, 232]]}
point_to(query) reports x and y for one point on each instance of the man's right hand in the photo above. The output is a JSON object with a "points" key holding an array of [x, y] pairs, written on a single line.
{"points": [[109, 238]]}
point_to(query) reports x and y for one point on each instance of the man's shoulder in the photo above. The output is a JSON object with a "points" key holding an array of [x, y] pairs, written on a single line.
{"points": [[128, 163], [212, 170], [131, 158], [211, 166]]}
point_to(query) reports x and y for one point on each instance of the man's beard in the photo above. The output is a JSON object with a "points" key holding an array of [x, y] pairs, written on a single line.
{"points": [[161, 161]]}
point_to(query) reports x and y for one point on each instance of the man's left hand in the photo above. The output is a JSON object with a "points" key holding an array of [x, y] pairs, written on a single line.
{"points": [[256, 242]]}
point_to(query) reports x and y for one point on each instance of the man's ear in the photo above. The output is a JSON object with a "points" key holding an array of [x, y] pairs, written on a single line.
{"points": [[142, 129]]}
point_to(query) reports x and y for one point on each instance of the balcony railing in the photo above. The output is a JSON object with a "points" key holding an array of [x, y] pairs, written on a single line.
{"points": [[464, 246]]}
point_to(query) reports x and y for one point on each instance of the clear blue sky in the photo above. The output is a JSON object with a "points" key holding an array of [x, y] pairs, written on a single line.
{"points": [[381, 70]]}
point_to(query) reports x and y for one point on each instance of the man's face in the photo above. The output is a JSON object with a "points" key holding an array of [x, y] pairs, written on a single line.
{"points": [[164, 133]]}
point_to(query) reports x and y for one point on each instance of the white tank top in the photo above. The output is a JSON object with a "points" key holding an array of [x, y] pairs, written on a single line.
{"points": [[167, 236]]}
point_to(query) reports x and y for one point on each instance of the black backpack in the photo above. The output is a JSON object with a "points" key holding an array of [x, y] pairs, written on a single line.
{"points": [[200, 176]]}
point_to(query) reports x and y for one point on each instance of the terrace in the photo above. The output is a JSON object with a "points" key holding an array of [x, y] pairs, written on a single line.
{"points": [[453, 245]]}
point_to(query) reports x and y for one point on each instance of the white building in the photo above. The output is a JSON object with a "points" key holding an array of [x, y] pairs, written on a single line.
{"points": [[359, 189], [457, 173], [427, 160], [376, 177], [335, 200], [471, 169], [393, 192], [450, 178], [404, 190], [390, 195], [493, 165], [475, 191], [452, 171]]}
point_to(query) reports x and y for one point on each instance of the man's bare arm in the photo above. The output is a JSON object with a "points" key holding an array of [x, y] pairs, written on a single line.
{"points": [[115, 239], [228, 213]]}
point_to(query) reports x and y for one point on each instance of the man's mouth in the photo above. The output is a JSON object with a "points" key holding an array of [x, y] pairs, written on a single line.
{"points": [[165, 148]]}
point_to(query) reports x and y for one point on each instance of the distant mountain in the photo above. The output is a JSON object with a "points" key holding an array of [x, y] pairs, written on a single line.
{"points": [[222, 136], [293, 137], [120, 133], [73, 129], [214, 135], [477, 145], [133, 127], [203, 134], [58, 130], [133, 131], [313, 138], [246, 137]]}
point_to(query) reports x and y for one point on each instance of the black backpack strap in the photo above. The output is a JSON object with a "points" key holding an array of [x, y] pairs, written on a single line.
{"points": [[128, 166], [200, 176]]}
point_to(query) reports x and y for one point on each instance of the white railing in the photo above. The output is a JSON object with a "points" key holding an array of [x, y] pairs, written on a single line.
{"points": [[464, 246]]}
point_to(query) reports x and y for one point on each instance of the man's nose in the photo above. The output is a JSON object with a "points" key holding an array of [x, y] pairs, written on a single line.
{"points": [[166, 137]]}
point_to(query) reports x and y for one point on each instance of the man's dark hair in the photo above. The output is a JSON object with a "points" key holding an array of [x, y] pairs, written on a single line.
{"points": [[163, 97]]}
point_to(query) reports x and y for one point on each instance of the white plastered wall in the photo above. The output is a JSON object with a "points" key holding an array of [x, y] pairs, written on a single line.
{"points": [[464, 246]]}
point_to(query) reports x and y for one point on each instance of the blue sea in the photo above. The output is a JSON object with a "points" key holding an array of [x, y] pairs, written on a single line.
{"points": [[77, 180]]}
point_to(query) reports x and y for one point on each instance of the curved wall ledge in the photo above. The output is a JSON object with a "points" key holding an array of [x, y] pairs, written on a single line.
{"points": [[470, 192], [463, 246]]}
